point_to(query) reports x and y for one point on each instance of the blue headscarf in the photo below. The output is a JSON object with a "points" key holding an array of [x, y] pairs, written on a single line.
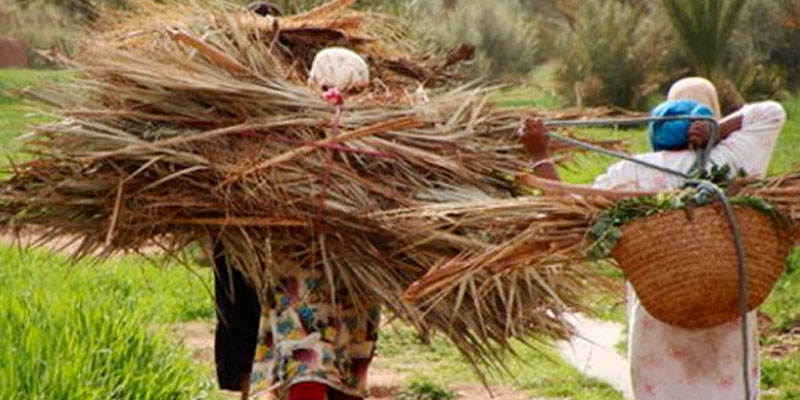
{"points": [[674, 135]]}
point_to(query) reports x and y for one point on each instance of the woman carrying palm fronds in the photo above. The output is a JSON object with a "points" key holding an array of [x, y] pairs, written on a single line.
{"points": [[313, 341], [670, 362]]}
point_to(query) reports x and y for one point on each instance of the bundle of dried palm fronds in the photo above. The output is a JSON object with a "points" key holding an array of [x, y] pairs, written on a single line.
{"points": [[254, 47], [195, 121], [558, 227]]}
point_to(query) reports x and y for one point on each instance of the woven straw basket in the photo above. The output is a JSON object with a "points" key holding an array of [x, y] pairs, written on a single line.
{"points": [[684, 268]]}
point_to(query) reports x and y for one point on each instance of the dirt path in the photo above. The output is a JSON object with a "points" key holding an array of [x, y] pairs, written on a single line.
{"points": [[385, 384], [593, 352], [32, 238]]}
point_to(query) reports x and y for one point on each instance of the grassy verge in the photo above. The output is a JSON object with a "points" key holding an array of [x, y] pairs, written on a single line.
{"points": [[537, 370], [96, 332], [780, 378], [787, 151], [537, 92]]}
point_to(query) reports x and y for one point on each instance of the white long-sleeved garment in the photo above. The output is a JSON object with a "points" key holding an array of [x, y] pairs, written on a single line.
{"points": [[672, 363]]}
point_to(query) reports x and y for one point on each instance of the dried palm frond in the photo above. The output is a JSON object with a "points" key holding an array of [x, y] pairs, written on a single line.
{"points": [[556, 226]]}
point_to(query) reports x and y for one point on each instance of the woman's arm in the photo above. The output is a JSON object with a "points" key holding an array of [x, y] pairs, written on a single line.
{"points": [[749, 136], [533, 136], [700, 131], [621, 177]]}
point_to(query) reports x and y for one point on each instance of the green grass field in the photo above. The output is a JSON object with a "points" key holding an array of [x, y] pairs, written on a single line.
{"points": [[90, 331], [96, 331]]}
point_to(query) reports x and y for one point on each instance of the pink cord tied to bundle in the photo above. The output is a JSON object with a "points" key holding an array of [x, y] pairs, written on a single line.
{"points": [[334, 98]]}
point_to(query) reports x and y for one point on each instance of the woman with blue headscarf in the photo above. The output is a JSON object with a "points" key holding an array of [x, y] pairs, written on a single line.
{"points": [[673, 135], [669, 362]]}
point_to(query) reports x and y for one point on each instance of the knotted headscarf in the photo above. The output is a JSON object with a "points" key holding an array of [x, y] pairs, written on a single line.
{"points": [[690, 97], [674, 135]]}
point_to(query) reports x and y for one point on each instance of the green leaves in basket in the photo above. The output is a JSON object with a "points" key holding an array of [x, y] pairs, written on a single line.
{"points": [[606, 228], [607, 235], [721, 176]]}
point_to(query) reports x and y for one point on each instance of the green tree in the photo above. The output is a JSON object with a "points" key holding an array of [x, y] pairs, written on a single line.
{"points": [[607, 53], [704, 29]]}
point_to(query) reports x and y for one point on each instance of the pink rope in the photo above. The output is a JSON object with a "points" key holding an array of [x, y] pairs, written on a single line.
{"points": [[335, 98]]}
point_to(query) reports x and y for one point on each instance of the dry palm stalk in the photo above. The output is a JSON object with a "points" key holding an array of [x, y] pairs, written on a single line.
{"points": [[556, 229], [782, 191], [190, 122], [292, 41]]}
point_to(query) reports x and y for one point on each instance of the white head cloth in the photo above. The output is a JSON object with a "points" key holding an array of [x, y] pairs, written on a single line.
{"points": [[339, 68], [697, 89]]}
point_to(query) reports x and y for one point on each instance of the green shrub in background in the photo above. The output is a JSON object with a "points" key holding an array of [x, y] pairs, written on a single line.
{"points": [[772, 29], [295, 6], [750, 48], [42, 27], [607, 54], [621, 52], [784, 50], [704, 29], [501, 30]]}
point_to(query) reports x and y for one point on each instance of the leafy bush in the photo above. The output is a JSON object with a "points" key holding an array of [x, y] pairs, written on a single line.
{"points": [[607, 54], [753, 45], [41, 27], [771, 30], [620, 52], [500, 30]]}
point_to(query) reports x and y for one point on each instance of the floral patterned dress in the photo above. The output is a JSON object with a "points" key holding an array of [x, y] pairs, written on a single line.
{"points": [[303, 337], [669, 362]]}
